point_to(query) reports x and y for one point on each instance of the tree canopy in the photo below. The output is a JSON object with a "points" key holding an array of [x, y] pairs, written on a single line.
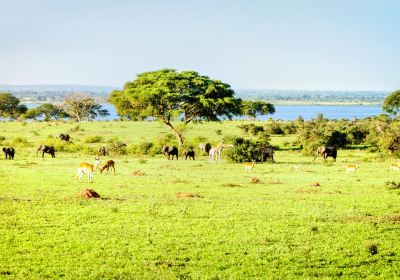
{"points": [[48, 111], [10, 106], [391, 104], [81, 107], [252, 109], [168, 95]]}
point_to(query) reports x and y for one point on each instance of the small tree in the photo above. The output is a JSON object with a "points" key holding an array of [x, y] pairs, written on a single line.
{"points": [[391, 104], [82, 107], [48, 110], [252, 109], [10, 106], [168, 95]]}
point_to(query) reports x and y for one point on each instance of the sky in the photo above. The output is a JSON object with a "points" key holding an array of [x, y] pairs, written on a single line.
{"points": [[257, 44]]}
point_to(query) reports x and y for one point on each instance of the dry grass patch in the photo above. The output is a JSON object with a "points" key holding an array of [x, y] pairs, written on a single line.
{"points": [[232, 185], [187, 195], [138, 173]]}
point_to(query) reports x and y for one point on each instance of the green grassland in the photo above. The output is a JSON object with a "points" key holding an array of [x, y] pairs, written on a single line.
{"points": [[279, 228]]}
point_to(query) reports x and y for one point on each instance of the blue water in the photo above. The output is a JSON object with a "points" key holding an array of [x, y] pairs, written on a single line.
{"points": [[291, 112]]}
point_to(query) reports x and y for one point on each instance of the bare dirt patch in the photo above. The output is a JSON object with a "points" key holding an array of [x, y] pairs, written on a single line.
{"points": [[88, 193], [138, 173]]}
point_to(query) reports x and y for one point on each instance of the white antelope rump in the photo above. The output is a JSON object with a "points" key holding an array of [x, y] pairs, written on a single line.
{"points": [[351, 168], [86, 168], [248, 166], [394, 167], [214, 155]]}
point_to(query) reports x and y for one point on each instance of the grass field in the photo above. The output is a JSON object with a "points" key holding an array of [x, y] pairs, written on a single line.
{"points": [[279, 228]]}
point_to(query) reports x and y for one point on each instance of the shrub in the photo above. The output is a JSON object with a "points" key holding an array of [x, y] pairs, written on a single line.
{"points": [[392, 185], [144, 147], [246, 150], [21, 141], [252, 128], [76, 128], [337, 139], [372, 247], [116, 147], [94, 139], [2, 138]]}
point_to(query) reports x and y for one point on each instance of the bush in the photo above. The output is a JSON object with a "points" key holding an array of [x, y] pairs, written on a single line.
{"points": [[21, 141], [2, 138], [252, 128], [94, 139], [337, 139], [392, 185], [372, 247], [246, 150]]}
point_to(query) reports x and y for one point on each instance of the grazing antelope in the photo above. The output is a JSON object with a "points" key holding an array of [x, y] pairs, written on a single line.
{"points": [[351, 167], [394, 167], [109, 164], [86, 168], [248, 166], [214, 154]]}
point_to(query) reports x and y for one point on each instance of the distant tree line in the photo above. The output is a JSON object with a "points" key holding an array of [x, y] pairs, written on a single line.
{"points": [[78, 107]]}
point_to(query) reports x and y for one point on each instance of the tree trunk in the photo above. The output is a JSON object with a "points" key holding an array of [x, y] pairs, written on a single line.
{"points": [[179, 137], [178, 133]]}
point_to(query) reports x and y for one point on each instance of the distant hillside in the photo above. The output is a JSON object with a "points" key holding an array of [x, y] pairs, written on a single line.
{"points": [[56, 93]]}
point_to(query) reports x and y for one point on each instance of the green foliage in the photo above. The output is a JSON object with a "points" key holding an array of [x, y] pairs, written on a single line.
{"points": [[81, 107], [391, 104], [166, 94], [337, 139], [21, 141], [252, 109], [10, 107], [392, 185], [252, 128], [246, 150], [48, 111], [94, 139]]}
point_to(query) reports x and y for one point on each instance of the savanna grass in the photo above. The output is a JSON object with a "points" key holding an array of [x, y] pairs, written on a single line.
{"points": [[160, 219]]}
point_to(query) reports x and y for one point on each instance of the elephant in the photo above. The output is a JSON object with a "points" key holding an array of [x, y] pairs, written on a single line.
{"points": [[267, 153], [170, 151], [9, 152], [326, 152], [205, 147], [188, 153], [64, 137], [46, 149]]}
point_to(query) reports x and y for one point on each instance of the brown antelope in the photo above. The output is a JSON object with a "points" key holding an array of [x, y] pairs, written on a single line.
{"points": [[351, 167], [109, 164], [394, 167], [248, 166], [86, 168]]}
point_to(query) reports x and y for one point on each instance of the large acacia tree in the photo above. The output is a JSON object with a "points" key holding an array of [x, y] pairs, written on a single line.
{"points": [[169, 95]]}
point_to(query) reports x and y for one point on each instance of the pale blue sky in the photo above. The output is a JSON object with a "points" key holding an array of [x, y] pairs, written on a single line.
{"points": [[282, 44]]}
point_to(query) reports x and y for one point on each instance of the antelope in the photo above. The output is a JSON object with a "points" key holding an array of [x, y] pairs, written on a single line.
{"points": [[394, 167], [248, 166], [86, 168], [351, 167], [109, 164]]}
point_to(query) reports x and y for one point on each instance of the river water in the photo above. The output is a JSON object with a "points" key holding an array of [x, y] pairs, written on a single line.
{"points": [[291, 112]]}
